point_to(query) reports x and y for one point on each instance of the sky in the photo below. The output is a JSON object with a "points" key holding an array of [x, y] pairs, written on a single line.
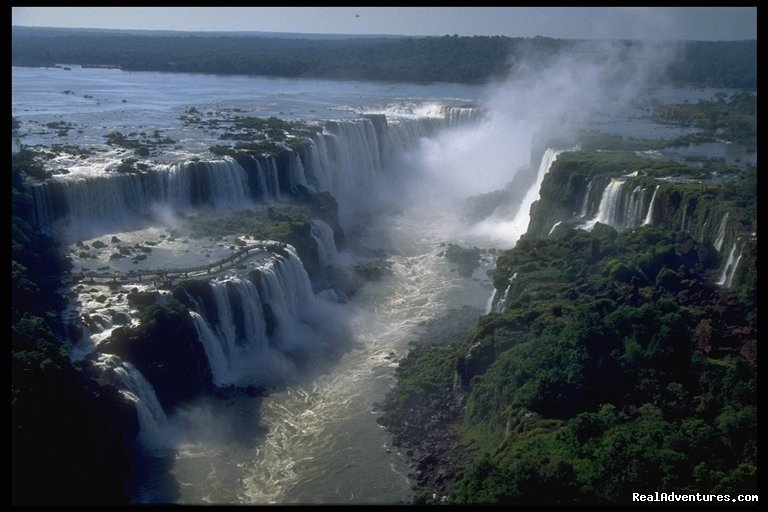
{"points": [[655, 23]]}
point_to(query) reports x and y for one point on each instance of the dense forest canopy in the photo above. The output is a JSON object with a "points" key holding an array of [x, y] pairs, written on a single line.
{"points": [[475, 59]]}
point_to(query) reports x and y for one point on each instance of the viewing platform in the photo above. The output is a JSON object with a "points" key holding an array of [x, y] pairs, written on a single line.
{"points": [[166, 277]]}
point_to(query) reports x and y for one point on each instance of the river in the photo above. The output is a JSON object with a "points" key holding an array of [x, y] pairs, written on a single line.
{"points": [[315, 440]]}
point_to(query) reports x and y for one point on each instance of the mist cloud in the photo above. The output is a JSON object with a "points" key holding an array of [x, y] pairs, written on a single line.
{"points": [[545, 98]]}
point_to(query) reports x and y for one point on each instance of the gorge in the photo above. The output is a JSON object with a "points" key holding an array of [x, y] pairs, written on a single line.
{"points": [[282, 272]]}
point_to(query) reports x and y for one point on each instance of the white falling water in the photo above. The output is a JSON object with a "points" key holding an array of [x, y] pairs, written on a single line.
{"points": [[316, 164], [729, 270], [635, 208], [685, 214], [721, 233], [296, 174], [353, 152], [405, 134], [117, 201], [340, 160], [501, 305], [153, 422], [585, 202], [649, 217], [607, 211], [257, 323], [523, 215], [554, 227], [498, 226], [265, 175], [489, 304], [322, 234], [228, 185]]}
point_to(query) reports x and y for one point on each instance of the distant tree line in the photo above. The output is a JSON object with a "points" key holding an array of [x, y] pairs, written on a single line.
{"points": [[475, 59]]}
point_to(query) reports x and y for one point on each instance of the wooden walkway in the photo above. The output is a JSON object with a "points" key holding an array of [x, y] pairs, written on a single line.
{"points": [[167, 276]]}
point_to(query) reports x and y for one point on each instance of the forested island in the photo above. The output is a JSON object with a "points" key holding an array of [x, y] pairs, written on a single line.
{"points": [[619, 350]]}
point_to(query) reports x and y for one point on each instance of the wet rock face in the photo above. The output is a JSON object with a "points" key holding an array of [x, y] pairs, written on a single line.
{"points": [[166, 350], [465, 259]]}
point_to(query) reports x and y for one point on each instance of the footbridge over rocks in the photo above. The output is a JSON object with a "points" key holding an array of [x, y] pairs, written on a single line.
{"points": [[167, 276]]}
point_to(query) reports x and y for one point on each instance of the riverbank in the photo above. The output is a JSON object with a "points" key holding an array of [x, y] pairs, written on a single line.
{"points": [[424, 430]]}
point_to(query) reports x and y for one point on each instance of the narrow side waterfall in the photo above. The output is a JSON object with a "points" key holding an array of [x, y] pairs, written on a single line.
{"points": [[649, 217], [509, 222], [519, 224], [263, 178], [554, 226], [585, 202], [322, 234], [608, 211], [729, 269], [489, 304], [721, 233], [256, 322], [501, 305], [685, 215], [635, 208], [153, 422]]}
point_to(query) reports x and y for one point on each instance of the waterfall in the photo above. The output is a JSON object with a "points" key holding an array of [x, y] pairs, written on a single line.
{"points": [[585, 203], [685, 214], [501, 305], [731, 264], [721, 233], [461, 116], [324, 239], [263, 177], [607, 212], [634, 211], [489, 304], [296, 175], [404, 134], [354, 149], [339, 160], [520, 223], [95, 204], [649, 217], [258, 321], [553, 227], [152, 419]]}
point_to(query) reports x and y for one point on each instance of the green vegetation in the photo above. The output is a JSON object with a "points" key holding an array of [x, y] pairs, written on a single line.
{"points": [[144, 147], [27, 161], [289, 223], [732, 119], [716, 64], [284, 223], [130, 165], [699, 194], [58, 459], [616, 366], [475, 59], [253, 135]]}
